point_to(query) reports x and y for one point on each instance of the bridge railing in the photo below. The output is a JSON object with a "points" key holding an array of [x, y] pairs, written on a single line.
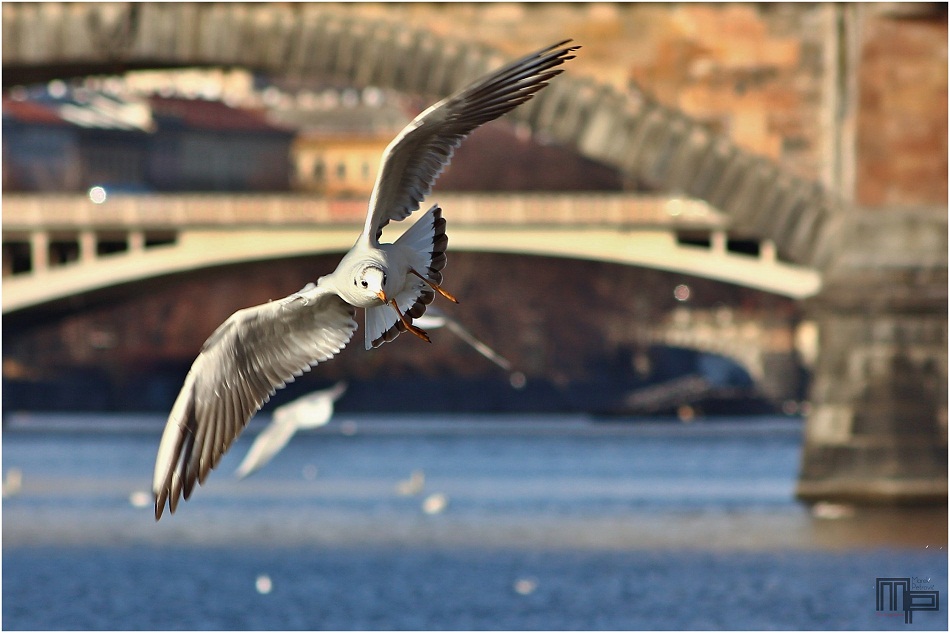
{"points": [[57, 245], [30, 212]]}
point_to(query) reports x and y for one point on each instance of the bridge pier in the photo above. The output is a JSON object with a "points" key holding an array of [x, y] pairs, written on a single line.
{"points": [[877, 431]]}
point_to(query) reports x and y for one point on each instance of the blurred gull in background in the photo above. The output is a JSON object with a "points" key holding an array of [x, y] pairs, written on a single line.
{"points": [[434, 319], [308, 412]]}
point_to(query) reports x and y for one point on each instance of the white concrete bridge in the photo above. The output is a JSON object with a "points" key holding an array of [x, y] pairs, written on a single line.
{"points": [[75, 245]]}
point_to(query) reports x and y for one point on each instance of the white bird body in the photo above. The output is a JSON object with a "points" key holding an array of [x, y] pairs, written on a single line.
{"points": [[405, 272], [259, 349], [309, 412]]}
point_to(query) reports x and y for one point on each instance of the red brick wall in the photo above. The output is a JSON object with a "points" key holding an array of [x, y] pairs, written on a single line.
{"points": [[761, 73], [902, 117], [745, 71], [752, 71]]}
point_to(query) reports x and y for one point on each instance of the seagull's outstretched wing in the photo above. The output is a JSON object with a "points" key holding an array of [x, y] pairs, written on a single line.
{"points": [[415, 158], [309, 412], [435, 319], [256, 351]]}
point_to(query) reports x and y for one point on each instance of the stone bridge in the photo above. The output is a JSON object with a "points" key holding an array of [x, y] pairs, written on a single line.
{"points": [[878, 426], [750, 341]]}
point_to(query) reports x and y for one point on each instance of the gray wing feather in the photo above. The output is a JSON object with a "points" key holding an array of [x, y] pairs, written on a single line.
{"points": [[415, 158], [251, 355]]}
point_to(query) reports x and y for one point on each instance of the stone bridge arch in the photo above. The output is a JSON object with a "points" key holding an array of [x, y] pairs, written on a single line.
{"points": [[632, 132]]}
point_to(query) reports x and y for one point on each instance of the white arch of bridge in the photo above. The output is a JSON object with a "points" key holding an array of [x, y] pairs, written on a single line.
{"points": [[206, 248]]}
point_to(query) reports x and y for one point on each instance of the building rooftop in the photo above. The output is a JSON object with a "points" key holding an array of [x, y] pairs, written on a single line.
{"points": [[31, 112], [101, 110], [212, 115]]}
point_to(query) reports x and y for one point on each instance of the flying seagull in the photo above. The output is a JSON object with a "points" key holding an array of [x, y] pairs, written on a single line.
{"points": [[259, 349], [309, 412]]}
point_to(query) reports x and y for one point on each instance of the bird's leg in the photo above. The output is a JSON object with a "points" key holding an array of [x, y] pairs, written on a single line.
{"points": [[409, 326], [442, 291]]}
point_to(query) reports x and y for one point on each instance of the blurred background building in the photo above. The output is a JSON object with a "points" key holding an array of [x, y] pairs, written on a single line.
{"points": [[85, 139]]}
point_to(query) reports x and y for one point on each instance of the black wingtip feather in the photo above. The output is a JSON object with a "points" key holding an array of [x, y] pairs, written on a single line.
{"points": [[160, 500]]}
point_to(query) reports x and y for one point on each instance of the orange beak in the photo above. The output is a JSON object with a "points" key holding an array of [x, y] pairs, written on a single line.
{"points": [[382, 296]]}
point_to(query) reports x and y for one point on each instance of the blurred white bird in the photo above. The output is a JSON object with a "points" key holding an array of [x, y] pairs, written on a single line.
{"points": [[435, 318], [309, 412], [259, 349]]}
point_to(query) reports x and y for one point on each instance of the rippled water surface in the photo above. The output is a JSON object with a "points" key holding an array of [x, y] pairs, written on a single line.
{"points": [[544, 523]]}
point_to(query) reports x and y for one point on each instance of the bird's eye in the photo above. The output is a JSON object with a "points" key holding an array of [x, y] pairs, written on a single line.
{"points": [[365, 283]]}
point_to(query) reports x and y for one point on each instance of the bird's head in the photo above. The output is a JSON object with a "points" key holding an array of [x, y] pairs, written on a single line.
{"points": [[370, 282]]}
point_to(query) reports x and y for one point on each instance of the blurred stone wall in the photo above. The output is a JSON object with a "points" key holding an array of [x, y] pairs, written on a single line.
{"points": [[852, 95]]}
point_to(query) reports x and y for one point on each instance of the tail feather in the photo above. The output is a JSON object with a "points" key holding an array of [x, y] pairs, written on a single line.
{"points": [[427, 241]]}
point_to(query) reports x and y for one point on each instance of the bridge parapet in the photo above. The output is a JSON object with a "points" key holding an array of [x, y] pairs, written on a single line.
{"points": [[32, 212], [59, 246]]}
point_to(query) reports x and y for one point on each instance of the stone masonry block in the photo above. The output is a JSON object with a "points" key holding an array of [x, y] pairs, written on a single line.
{"points": [[730, 178], [686, 161], [710, 168]]}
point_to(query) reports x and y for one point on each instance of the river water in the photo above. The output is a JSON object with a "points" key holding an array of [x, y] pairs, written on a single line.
{"points": [[512, 523]]}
